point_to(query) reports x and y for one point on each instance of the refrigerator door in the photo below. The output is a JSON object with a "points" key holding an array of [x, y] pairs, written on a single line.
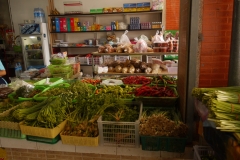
{"points": [[35, 48]]}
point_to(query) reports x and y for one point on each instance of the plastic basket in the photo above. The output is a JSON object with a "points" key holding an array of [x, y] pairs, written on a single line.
{"points": [[53, 82], [42, 132], [11, 133], [159, 101], [96, 60], [169, 144], [63, 75], [59, 69], [58, 61], [44, 140], [202, 151], [79, 141], [121, 134]]}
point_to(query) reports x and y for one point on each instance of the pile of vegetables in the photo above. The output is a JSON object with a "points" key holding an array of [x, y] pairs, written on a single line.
{"points": [[223, 105], [124, 92], [162, 123], [26, 92], [164, 80], [155, 91], [91, 81], [4, 92], [136, 80]]}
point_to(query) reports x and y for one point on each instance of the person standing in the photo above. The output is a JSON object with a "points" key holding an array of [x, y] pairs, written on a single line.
{"points": [[2, 73]]}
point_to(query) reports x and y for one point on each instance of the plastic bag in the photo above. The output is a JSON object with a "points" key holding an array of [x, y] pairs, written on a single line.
{"points": [[201, 109], [157, 4], [112, 82], [140, 46], [19, 83], [124, 39], [158, 38], [122, 25], [145, 38]]}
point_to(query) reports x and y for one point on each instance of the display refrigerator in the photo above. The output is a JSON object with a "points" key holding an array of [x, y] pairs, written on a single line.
{"points": [[35, 46]]}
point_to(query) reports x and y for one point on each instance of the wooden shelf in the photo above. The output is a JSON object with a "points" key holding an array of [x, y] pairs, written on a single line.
{"points": [[77, 47], [33, 50], [105, 14], [123, 30], [142, 74], [126, 54]]}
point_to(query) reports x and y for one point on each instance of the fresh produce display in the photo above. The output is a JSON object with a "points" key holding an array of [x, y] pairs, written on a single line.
{"points": [[118, 91], [4, 92], [136, 80], [5, 106], [155, 91], [162, 123], [223, 106], [83, 120], [9, 116], [54, 91], [91, 81], [165, 80], [26, 92]]}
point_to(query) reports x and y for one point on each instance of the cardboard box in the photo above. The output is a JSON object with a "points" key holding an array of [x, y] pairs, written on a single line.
{"points": [[130, 7]]}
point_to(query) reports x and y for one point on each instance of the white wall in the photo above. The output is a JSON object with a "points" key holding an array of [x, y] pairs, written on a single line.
{"points": [[23, 10]]}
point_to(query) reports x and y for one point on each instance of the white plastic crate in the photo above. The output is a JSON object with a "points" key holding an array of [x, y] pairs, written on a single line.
{"points": [[121, 134], [82, 60], [136, 57], [97, 60], [109, 58], [149, 58], [122, 58], [201, 151]]}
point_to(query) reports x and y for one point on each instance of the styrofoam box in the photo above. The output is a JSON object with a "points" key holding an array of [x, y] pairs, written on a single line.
{"points": [[172, 69], [149, 58]]}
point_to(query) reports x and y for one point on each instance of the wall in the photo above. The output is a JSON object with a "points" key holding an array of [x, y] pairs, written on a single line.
{"points": [[215, 50], [172, 14], [4, 13]]}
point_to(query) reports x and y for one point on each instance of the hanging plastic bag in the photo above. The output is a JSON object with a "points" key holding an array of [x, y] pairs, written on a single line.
{"points": [[124, 39], [140, 46], [158, 38]]}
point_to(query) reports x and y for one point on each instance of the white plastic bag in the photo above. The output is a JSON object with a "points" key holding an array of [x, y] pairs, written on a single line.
{"points": [[112, 82], [140, 46], [158, 38], [124, 39]]}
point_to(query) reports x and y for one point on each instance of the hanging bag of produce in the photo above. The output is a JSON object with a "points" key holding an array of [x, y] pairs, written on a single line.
{"points": [[124, 40], [140, 46]]}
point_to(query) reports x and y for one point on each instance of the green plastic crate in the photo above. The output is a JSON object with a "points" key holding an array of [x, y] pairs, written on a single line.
{"points": [[53, 82], [60, 69], [58, 61], [44, 140], [169, 144], [11, 133]]}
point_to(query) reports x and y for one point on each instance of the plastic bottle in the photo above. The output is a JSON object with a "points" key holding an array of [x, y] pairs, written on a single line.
{"points": [[41, 16], [36, 15], [16, 70], [20, 68]]}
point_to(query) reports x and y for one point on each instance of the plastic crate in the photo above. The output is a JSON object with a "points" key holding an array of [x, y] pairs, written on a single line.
{"points": [[169, 144], [121, 134], [11, 133], [79, 141], [63, 75], [44, 140], [159, 101], [122, 58], [58, 61], [149, 58], [59, 69], [202, 151], [83, 60], [97, 60]]}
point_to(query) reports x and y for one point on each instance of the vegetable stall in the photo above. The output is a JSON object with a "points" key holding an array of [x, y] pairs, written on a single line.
{"points": [[88, 112]]}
